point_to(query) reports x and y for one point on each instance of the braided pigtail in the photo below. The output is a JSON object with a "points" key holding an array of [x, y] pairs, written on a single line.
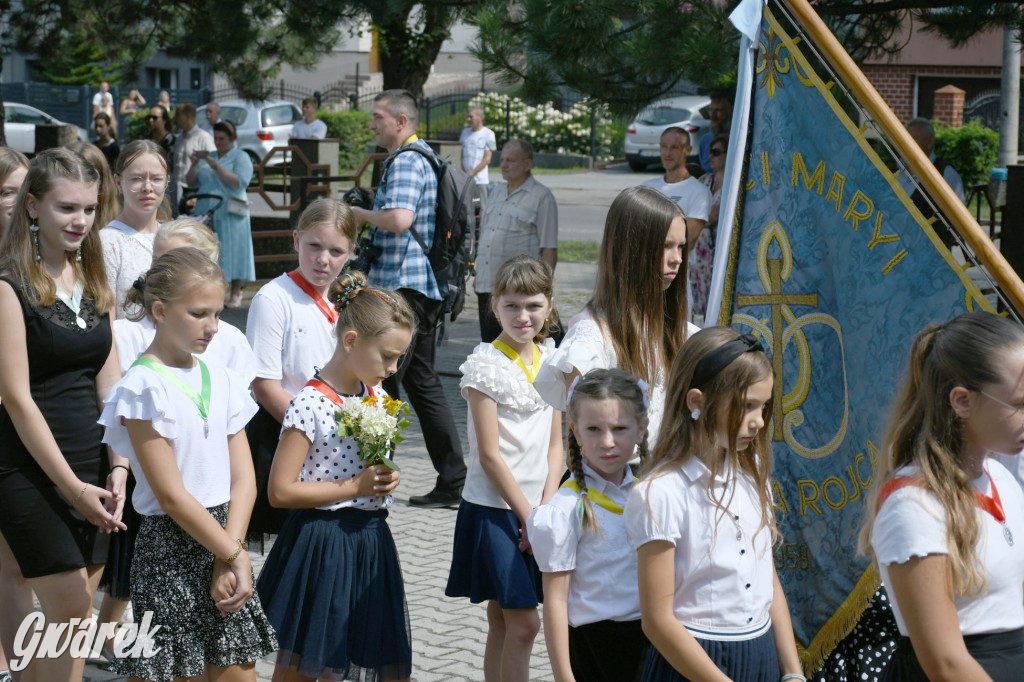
{"points": [[584, 507], [643, 450]]}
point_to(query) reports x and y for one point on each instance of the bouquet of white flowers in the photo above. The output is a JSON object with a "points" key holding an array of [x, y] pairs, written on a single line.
{"points": [[376, 422]]}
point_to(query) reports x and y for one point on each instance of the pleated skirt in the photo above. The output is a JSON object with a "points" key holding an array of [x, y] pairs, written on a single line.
{"points": [[332, 588], [747, 660]]}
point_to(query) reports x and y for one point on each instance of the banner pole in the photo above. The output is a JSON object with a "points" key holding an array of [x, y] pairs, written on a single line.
{"points": [[954, 209]]}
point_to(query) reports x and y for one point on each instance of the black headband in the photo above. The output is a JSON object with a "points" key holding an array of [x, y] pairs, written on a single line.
{"points": [[720, 358]]}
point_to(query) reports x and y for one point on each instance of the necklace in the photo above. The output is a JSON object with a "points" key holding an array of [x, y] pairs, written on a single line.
{"points": [[73, 302]]}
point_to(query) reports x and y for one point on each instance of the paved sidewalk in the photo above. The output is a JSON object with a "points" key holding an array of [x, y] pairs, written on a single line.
{"points": [[448, 634]]}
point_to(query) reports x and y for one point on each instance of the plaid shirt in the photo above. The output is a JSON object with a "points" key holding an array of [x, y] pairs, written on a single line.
{"points": [[409, 183]]}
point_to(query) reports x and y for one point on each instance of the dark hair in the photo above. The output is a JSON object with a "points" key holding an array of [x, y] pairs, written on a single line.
{"points": [[679, 131], [648, 330], [400, 103], [310, 100], [600, 384], [227, 127], [720, 138], [102, 116], [164, 116]]}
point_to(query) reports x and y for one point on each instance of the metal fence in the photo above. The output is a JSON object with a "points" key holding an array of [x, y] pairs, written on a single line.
{"points": [[73, 103]]}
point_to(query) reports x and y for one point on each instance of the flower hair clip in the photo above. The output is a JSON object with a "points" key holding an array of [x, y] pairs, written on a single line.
{"points": [[572, 389], [349, 289], [645, 392]]}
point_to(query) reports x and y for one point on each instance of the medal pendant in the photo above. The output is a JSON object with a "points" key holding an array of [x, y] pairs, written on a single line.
{"points": [[206, 434], [80, 322], [1008, 535]]}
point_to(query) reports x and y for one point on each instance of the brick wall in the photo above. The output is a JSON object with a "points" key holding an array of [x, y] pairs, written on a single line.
{"points": [[895, 83]]}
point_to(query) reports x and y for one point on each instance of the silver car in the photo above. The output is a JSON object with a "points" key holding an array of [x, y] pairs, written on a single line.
{"points": [[261, 125], [643, 136], [20, 121]]}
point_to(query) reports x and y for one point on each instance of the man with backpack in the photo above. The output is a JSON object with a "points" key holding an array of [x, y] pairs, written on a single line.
{"points": [[404, 216]]}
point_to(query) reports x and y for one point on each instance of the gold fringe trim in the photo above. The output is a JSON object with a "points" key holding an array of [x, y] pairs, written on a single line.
{"points": [[841, 623]]}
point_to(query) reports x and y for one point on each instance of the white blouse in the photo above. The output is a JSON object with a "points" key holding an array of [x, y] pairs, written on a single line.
{"points": [[585, 347], [228, 347], [330, 457], [289, 334], [724, 566], [127, 254], [912, 523], [524, 425], [204, 461], [604, 579]]}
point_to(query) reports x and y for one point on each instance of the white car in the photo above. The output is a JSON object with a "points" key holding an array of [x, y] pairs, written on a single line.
{"points": [[20, 121], [643, 136], [261, 126]]}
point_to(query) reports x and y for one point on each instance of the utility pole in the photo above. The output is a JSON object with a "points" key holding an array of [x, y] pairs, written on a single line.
{"points": [[1009, 119]]}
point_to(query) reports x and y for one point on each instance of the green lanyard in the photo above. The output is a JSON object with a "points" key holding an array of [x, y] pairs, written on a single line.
{"points": [[530, 372], [202, 402]]}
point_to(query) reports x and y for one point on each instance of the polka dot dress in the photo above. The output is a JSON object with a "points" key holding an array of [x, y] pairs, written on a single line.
{"points": [[330, 457], [863, 655]]}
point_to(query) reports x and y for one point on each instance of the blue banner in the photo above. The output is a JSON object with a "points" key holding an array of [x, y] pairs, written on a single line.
{"points": [[835, 269]]}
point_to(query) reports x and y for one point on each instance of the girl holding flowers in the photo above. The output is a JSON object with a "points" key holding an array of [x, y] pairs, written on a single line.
{"points": [[515, 459], [332, 583]]}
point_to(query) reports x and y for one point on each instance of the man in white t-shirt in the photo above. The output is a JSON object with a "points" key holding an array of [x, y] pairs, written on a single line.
{"points": [[478, 143], [692, 196], [103, 101], [310, 126]]}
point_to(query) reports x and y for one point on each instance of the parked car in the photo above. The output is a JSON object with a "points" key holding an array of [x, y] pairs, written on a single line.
{"points": [[643, 136], [20, 121], [261, 125]]}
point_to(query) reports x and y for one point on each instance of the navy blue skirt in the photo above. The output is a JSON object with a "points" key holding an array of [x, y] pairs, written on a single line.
{"points": [[486, 561], [332, 588], [747, 660]]}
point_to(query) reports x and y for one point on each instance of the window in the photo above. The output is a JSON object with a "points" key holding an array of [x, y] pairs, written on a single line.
{"points": [[661, 116], [283, 114], [236, 115]]}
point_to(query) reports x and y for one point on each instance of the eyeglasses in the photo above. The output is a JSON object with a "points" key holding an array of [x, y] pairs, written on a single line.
{"points": [[717, 152], [1016, 409], [151, 117], [136, 183]]}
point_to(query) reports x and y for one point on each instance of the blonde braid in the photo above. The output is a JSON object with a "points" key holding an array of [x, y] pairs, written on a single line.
{"points": [[584, 507]]}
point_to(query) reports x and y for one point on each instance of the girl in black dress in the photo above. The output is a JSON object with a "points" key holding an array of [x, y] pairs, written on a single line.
{"points": [[59, 486]]}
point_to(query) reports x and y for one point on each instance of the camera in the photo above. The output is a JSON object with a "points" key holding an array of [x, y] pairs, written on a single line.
{"points": [[367, 254], [360, 197]]}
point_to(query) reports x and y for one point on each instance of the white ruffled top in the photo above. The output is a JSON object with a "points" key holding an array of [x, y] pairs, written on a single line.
{"points": [[585, 347], [204, 462], [524, 425], [912, 523]]}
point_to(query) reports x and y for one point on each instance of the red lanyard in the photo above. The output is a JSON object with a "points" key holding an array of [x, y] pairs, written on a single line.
{"points": [[326, 308], [993, 505], [330, 392]]}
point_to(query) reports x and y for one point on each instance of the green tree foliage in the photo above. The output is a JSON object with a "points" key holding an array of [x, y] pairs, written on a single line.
{"points": [[355, 139], [85, 61], [625, 53], [972, 149]]}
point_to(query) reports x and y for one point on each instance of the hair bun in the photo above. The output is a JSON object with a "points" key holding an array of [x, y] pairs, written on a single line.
{"points": [[140, 283], [345, 288]]}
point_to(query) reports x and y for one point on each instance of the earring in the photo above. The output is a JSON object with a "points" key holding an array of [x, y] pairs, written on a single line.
{"points": [[695, 415], [78, 256], [34, 228]]}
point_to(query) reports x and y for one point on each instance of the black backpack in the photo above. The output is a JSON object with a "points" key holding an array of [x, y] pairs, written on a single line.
{"points": [[451, 253]]}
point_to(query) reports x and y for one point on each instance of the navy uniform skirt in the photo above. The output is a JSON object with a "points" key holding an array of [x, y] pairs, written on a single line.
{"points": [[1001, 654], [748, 660], [332, 588], [486, 562]]}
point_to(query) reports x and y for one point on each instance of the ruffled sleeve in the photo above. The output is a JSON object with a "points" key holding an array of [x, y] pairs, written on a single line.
{"points": [[652, 513], [584, 348], [490, 372], [138, 395], [241, 406], [304, 412], [554, 533], [911, 523]]}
